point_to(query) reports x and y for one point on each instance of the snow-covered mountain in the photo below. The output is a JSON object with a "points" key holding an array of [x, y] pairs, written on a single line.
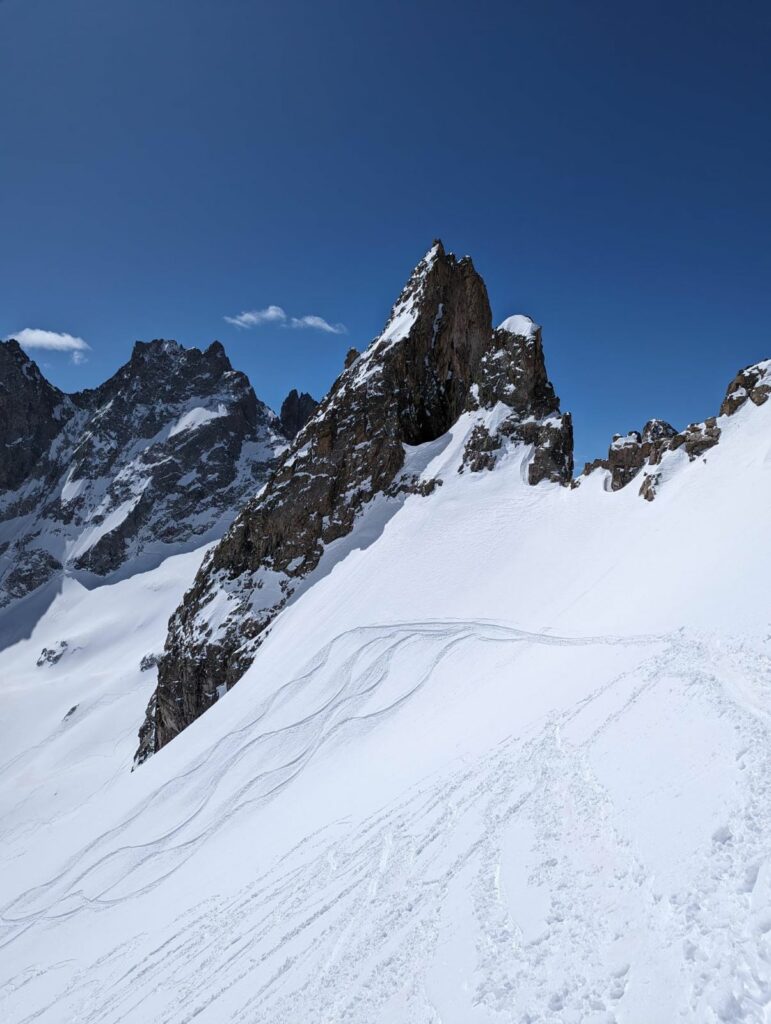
{"points": [[353, 464], [156, 460], [501, 747]]}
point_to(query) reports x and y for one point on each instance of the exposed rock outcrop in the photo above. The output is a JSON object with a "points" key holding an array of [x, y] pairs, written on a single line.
{"points": [[628, 453], [513, 372], [296, 410], [659, 442], [157, 458], [32, 412], [753, 383], [436, 359], [51, 655], [696, 439]]}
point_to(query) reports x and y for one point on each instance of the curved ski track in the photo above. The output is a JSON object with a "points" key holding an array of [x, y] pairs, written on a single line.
{"points": [[353, 918]]}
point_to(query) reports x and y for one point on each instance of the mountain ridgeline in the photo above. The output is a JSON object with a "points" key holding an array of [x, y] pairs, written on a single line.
{"points": [[653, 454], [110, 480]]}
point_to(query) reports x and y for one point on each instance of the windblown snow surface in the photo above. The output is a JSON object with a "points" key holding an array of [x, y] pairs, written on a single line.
{"points": [[509, 761]]}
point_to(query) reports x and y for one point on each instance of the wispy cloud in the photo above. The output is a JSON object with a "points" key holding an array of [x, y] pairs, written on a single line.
{"points": [[52, 341], [276, 315], [257, 317], [318, 323]]}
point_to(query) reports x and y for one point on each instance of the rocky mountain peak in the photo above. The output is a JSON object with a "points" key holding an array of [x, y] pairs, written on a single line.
{"points": [[512, 372], [165, 370], [13, 356], [429, 351], [657, 430], [158, 347], [32, 412], [514, 369], [296, 410], [158, 457], [436, 359]]}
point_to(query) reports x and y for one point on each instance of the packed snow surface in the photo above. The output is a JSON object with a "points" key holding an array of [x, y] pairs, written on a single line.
{"points": [[520, 324], [197, 417], [508, 761]]}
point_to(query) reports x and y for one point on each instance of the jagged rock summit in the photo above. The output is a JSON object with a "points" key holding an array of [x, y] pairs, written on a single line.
{"points": [[513, 372], [156, 459], [296, 410], [31, 414], [437, 360]]}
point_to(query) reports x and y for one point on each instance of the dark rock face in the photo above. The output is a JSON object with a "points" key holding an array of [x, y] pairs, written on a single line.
{"points": [[160, 456], [50, 655], [697, 438], [513, 372], [436, 359], [628, 453], [296, 410], [656, 433], [32, 412], [481, 450], [753, 383]]}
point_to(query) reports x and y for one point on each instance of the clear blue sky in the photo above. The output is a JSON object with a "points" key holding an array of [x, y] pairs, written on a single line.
{"points": [[166, 164]]}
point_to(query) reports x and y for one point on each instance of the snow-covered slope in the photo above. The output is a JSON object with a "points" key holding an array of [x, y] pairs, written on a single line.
{"points": [[69, 719], [507, 761]]}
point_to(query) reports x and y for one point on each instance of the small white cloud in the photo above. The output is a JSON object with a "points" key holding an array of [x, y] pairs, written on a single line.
{"points": [[318, 323], [276, 315], [78, 358], [53, 341], [257, 317]]}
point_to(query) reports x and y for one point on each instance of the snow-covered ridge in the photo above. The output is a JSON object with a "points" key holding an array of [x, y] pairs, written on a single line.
{"points": [[655, 455], [397, 329]]}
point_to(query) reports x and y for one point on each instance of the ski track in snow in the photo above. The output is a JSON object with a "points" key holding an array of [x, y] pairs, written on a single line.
{"points": [[365, 921]]}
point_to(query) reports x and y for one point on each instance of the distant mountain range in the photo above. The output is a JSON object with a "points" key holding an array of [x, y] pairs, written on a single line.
{"points": [[108, 481]]}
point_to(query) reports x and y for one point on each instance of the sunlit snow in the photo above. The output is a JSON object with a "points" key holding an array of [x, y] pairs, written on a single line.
{"points": [[509, 760]]}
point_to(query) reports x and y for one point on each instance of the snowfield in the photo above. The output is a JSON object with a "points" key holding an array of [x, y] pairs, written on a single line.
{"points": [[508, 761]]}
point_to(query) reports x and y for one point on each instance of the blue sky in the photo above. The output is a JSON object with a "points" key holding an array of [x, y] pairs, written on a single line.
{"points": [[164, 165]]}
